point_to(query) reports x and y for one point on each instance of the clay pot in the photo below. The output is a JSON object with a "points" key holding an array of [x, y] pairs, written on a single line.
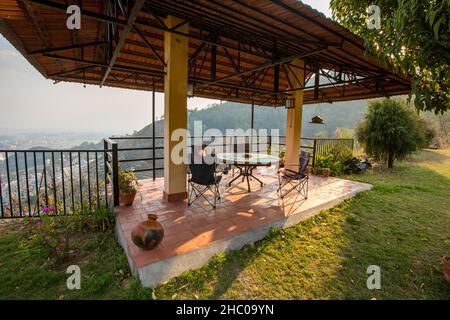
{"points": [[148, 234], [326, 173], [447, 268], [127, 199]]}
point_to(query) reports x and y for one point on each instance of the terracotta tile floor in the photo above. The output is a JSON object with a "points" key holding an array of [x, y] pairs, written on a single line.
{"points": [[189, 228]]}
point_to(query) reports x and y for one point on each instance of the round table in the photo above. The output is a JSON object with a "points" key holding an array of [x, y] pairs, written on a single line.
{"points": [[246, 163]]}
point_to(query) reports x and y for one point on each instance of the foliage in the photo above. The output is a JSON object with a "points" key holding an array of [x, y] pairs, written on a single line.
{"points": [[440, 126], [414, 38], [328, 162], [54, 234], [426, 133], [344, 133], [340, 151], [102, 218], [51, 234], [282, 153], [390, 131], [324, 161], [127, 182]]}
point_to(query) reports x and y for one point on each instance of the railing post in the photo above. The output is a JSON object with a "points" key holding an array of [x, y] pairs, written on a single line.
{"points": [[115, 173], [153, 132], [105, 168], [270, 143], [153, 159], [314, 153]]}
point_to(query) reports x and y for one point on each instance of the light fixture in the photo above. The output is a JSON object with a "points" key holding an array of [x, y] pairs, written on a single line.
{"points": [[316, 120], [190, 90], [290, 103]]}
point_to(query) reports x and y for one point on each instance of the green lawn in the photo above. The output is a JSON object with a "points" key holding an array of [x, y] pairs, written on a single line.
{"points": [[402, 225]]}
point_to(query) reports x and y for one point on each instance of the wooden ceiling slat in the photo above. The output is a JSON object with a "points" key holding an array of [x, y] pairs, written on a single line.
{"points": [[248, 34]]}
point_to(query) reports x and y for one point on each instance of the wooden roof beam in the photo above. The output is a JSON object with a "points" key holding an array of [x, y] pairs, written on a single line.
{"points": [[43, 36], [71, 47], [123, 37], [150, 46], [268, 65], [116, 66]]}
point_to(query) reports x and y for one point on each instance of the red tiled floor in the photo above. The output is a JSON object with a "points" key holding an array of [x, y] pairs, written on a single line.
{"points": [[189, 228]]}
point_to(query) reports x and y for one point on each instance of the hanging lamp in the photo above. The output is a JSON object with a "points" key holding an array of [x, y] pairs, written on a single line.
{"points": [[317, 119], [289, 103]]}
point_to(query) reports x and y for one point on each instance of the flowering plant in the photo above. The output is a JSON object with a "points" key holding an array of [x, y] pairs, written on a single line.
{"points": [[52, 234]]}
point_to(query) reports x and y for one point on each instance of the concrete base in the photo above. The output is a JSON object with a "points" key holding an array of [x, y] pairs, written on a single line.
{"points": [[174, 197]]}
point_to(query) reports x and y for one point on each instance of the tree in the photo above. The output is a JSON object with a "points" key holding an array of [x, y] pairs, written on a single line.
{"points": [[414, 38], [390, 130]]}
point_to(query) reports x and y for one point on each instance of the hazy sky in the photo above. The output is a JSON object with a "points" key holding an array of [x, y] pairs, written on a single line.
{"points": [[30, 102]]}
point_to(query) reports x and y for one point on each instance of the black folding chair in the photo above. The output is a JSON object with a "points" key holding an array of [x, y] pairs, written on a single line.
{"points": [[296, 180], [203, 176]]}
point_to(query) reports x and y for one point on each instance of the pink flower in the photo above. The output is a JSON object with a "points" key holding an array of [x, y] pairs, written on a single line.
{"points": [[48, 209], [39, 223]]}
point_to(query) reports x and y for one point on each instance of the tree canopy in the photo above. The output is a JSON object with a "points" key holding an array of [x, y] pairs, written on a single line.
{"points": [[390, 130], [414, 38]]}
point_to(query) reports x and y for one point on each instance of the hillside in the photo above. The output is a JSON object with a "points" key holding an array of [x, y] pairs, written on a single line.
{"points": [[230, 115]]}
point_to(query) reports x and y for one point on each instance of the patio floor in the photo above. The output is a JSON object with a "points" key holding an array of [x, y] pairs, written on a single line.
{"points": [[194, 234]]}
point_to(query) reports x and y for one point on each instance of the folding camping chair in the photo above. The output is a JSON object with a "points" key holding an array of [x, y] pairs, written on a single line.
{"points": [[297, 180], [203, 176]]}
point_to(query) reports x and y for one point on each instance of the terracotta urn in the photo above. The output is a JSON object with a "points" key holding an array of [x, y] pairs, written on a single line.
{"points": [[447, 268], [127, 199], [148, 234]]}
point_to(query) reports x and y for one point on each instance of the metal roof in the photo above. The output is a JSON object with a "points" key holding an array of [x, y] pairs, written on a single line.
{"points": [[239, 50]]}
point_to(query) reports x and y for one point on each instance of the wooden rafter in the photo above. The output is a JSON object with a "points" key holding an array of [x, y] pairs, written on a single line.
{"points": [[123, 37]]}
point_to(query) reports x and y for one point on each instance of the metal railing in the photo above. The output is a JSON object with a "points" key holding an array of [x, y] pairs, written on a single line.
{"points": [[67, 180], [150, 158], [74, 180], [322, 147]]}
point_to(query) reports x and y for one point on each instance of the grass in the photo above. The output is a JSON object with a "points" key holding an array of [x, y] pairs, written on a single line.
{"points": [[402, 225]]}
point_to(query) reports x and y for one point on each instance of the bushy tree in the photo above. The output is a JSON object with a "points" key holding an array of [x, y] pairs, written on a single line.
{"points": [[414, 38], [390, 130]]}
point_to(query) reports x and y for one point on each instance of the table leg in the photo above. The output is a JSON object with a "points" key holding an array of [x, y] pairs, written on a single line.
{"points": [[237, 177], [251, 174], [246, 173]]}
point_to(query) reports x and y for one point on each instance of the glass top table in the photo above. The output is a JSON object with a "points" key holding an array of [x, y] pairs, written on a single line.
{"points": [[246, 163]]}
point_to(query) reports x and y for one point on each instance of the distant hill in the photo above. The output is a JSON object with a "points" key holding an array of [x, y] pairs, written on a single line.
{"points": [[231, 115]]}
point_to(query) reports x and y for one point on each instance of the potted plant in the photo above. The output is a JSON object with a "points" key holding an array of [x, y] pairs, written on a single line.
{"points": [[323, 164], [447, 268], [127, 187]]}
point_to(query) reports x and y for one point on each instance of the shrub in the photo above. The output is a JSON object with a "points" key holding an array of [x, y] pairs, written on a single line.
{"points": [[328, 162], [56, 235], [52, 234], [340, 151], [102, 218], [390, 131]]}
